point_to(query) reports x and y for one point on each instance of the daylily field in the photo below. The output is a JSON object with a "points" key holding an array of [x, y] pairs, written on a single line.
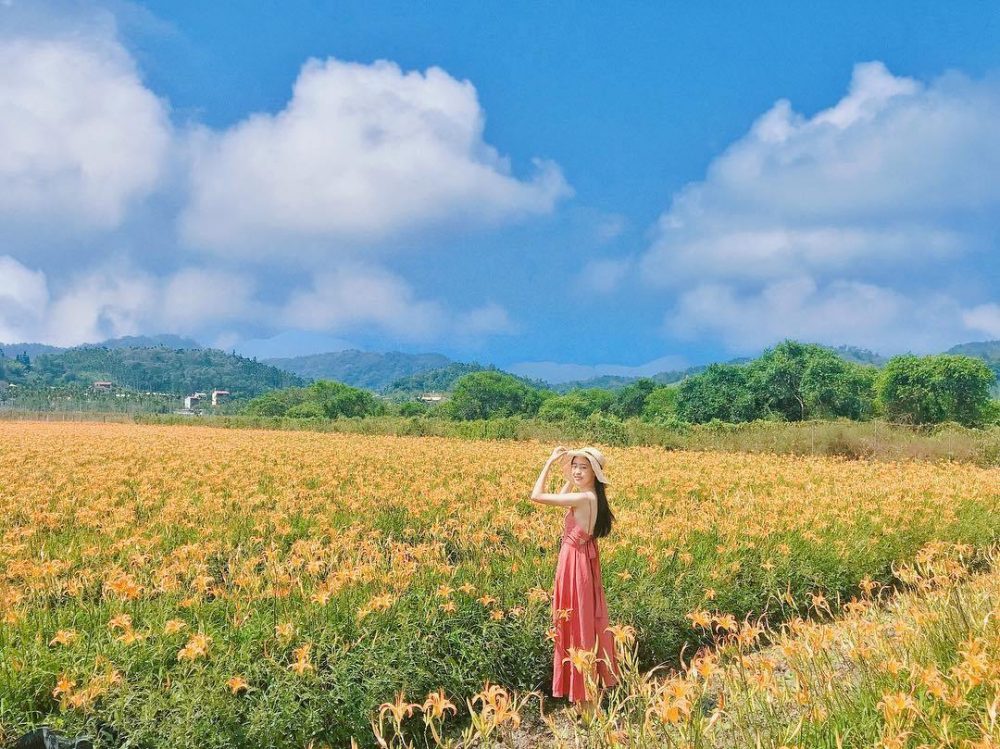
{"points": [[184, 586]]}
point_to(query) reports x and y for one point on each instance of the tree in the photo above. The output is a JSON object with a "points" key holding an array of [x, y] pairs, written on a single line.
{"points": [[720, 392], [579, 403], [306, 410], [832, 387], [631, 399], [932, 389], [276, 402], [661, 404], [337, 399], [413, 408], [489, 394], [798, 381]]}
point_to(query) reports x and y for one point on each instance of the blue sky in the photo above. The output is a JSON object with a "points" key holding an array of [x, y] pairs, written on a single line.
{"points": [[560, 192]]}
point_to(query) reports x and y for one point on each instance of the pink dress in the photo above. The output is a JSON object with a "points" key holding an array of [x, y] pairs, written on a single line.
{"points": [[579, 588]]}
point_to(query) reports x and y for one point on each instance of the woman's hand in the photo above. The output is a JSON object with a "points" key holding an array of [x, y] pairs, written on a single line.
{"points": [[557, 453]]}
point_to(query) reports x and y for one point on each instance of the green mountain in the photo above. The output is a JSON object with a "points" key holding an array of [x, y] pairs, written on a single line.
{"points": [[362, 369], [988, 351], [858, 355], [616, 382], [442, 380], [438, 380], [155, 369], [10, 350]]}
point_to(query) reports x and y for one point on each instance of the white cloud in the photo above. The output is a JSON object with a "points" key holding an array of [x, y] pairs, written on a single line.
{"points": [[193, 297], [83, 138], [834, 227], [355, 295], [611, 226], [23, 295], [361, 154], [115, 299], [556, 372], [984, 318], [604, 275], [489, 319], [839, 312], [90, 163]]}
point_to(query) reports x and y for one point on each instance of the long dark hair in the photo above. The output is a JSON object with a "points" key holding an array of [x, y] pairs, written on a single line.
{"points": [[602, 526]]}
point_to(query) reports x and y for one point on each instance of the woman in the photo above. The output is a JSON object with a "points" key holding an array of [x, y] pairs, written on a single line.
{"points": [[579, 609]]}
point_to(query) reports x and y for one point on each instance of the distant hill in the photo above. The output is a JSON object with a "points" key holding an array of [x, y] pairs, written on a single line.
{"points": [[443, 380], [858, 355], [149, 369], [363, 369], [437, 380], [616, 382], [129, 341], [988, 351]]}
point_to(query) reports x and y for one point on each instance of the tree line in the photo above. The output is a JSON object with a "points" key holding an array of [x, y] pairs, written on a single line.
{"points": [[792, 381]]}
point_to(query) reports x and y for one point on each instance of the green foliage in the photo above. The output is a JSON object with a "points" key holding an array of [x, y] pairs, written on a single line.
{"points": [[661, 404], [576, 404], [489, 394], [362, 369], [607, 429], [932, 389], [790, 382], [321, 399], [798, 381], [631, 399], [151, 369], [413, 408], [306, 410], [441, 379], [276, 402], [721, 392]]}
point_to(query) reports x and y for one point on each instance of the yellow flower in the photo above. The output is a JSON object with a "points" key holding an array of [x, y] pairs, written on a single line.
{"points": [[436, 704], [64, 685], [122, 621], [65, 637], [444, 591], [301, 663], [699, 618], [725, 622], [237, 684], [623, 633], [195, 648], [173, 626]]}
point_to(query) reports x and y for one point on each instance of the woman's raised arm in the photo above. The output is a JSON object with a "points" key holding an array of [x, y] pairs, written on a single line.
{"points": [[563, 498]]}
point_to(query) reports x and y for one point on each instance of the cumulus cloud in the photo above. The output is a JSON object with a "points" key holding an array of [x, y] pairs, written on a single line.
{"points": [[489, 319], [361, 154], [23, 296], [356, 294], [985, 318], [114, 299], [827, 227], [837, 312], [83, 138]]}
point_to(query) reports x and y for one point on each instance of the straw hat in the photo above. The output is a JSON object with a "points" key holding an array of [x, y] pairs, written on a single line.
{"points": [[595, 456]]}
